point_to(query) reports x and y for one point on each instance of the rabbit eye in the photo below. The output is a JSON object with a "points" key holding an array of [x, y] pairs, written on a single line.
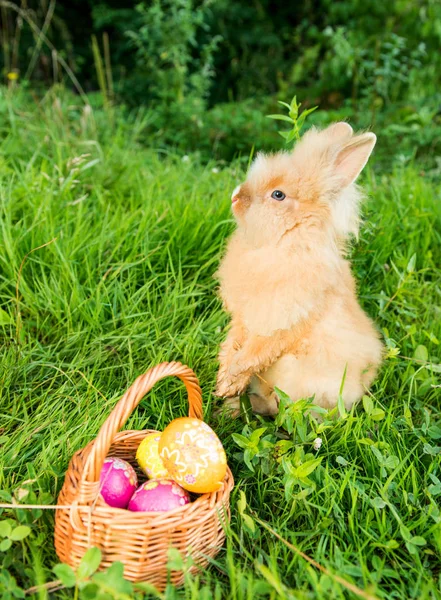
{"points": [[278, 195]]}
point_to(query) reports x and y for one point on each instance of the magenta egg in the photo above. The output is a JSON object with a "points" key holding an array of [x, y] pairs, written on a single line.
{"points": [[158, 495], [118, 482]]}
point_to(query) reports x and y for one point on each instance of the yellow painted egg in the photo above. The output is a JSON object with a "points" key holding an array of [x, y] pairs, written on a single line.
{"points": [[147, 457], [193, 455]]}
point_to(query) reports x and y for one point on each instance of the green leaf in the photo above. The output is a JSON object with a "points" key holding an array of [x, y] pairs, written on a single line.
{"points": [[378, 454], [411, 548], [149, 589], [405, 533], [20, 532], [408, 417], [280, 118], [341, 407], [282, 447], [292, 135], [249, 523], [247, 456], [89, 563], [411, 264], [104, 596], [432, 450], [242, 502], [284, 104], [307, 467], [434, 432], [175, 562], [284, 398], [421, 353], [289, 488], [434, 489], [18, 593], [299, 121], [301, 430], [294, 107], [5, 545], [5, 529], [378, 502], [368, 405], [65, 574], [308, 111], [5, 318], [418, 540], [240, 440], [113, 578], [257, 434], [392, 462], [377, 414], [342, 461], [91, 591]]}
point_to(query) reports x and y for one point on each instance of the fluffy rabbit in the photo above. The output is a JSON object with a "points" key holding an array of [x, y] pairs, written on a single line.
{"points": [[295, 320]]}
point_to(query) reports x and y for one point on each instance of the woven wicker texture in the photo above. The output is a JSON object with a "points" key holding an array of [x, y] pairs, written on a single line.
{"points": [[138, 539]]}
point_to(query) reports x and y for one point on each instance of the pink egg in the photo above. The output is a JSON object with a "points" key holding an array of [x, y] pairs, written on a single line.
{"points": [[158, 495], [118, 482]]}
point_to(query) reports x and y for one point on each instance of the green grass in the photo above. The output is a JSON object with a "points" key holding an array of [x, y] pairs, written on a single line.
{"points": [[127, 281]]}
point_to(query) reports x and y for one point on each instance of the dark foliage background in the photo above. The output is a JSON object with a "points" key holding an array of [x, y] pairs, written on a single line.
{"points": [[208, 71]]}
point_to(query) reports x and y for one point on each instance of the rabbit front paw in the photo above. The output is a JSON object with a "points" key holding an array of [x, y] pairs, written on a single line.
{"points": [[233, 386], [239, 364], [224, 388], [240, 383], [229, 385]]}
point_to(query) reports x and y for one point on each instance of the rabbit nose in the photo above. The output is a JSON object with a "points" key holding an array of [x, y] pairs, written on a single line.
{"points": [[235, 194]]}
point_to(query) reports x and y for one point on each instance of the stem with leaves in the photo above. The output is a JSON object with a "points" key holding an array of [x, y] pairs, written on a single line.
{"points": [[296, 121]]}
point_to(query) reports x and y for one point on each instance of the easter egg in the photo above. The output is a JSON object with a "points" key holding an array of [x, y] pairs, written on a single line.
{"points": [[158, 495], [148, 459], [193, 455], [118, 482]]}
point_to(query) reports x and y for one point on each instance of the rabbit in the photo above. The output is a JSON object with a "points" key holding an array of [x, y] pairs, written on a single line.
{"points": [[296, 323]]}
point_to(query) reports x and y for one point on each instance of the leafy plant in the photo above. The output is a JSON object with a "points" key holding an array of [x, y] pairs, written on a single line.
{"points": [[9, 587], [286, 445], [89, 584], [167, 50], [248, 522], [11, 552], [295, 119], [12, 533], [386, 463]]}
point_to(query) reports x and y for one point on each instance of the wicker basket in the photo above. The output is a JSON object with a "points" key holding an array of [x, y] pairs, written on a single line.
{"points": [[139, 539]]}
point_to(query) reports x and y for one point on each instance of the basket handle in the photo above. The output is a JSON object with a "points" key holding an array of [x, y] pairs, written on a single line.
{"points": [[130, 401]]}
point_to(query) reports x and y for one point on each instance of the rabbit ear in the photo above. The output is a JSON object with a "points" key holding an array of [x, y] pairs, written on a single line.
{"points": [[338, 131], [353, 156]]}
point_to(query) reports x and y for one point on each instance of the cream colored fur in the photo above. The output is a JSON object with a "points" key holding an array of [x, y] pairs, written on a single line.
{"points": [[295, 320]]}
